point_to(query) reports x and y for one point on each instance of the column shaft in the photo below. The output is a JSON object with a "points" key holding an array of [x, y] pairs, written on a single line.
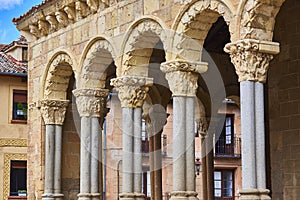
{"points": [[204, 167], [248, 134], [95, 154], [157, 166], [260, 136], [190, 144], [210, 167], [57, 159], [49, 159], [137, 150], [179, 138], [127, 163], [85, 156]]}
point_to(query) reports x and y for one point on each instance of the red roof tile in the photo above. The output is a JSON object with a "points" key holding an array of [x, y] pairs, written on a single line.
{"points": [[9, 65], [33, 8]]}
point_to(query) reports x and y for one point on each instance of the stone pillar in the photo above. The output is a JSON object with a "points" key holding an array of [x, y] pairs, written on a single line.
{"points": [[91, 105], [53, 112], [202, 124], [182, 77], [132, 93], [251, 60]]}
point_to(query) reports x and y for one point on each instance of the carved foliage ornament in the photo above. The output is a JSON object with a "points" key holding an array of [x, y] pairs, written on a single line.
{"points": [[182, 76], [91, 102], [132, 90], [53, 111], [251, 58]]}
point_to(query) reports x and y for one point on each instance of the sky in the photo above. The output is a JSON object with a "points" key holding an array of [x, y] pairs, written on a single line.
{"points": [[8, 10]]}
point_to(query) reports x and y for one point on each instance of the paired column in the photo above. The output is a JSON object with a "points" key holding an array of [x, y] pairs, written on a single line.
{"points": [[91, 105], [251, 59], [53, 112], [182, 77], [132, 93]]}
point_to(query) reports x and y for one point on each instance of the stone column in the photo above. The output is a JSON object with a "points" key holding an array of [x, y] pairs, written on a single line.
{"points": [[91, 105], [132, 93], [53, 112], [182, 77], [202, 124], [251, 60]]}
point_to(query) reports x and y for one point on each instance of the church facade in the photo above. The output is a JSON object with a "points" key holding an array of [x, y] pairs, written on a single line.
{"points": [[118, 90]]}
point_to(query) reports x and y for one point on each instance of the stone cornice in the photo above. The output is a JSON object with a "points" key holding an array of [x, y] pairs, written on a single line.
{"points": [[52, 16], [53, 111], [182, 76], [132, 90], [251, 58], [91, 102]]}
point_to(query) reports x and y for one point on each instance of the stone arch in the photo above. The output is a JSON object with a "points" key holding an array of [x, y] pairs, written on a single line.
{"points": [[57, 77], [140, 41], [258, 19], [97, 59], [194, 24]]}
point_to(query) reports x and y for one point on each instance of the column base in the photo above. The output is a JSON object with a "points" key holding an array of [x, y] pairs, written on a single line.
{"points": [[132, 196], [51, 196], [184, 195], [89, 196], [254, 194], [48, 196]]}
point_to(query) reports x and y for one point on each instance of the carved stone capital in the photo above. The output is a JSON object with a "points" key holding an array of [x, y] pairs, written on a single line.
{"points": [[132, 90], [53, 111], [251, 58], [91, 102], [182, 76]]}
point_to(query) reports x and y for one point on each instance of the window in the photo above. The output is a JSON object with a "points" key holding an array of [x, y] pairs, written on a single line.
{"points": [[225, 144], [146, 188], [145, 141], [19, 105], [18, 178], [224, 184], [24, 54]]}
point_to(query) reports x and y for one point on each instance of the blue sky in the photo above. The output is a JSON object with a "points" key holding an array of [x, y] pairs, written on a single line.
{"points": [[8, 10]]}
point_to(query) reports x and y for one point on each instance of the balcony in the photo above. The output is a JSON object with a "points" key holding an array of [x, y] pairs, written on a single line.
{"points": [[225, 148]]}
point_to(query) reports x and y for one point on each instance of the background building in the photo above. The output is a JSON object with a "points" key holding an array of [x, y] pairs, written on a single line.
{"points": [[13, 120]]}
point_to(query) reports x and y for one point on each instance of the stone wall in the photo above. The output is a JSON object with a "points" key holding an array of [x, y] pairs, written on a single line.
{"points": [[284, 105]]}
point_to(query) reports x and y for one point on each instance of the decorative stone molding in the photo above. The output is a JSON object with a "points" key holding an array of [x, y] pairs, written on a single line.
{"points": [[33, 29], [93, 4], [256, 23], [13, 142], [43, 27], [53, 22], [251, 58], [53, 111], [70, 11], [6, 171], [144, 36], [58, 77], [62, 18], [93, 72], [182, 76], [190, 36], [91, 102], [132, 90], [81, 8]]}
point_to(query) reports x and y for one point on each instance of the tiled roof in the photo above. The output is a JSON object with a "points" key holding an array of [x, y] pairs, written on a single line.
{"points": [[10, 66], [21, 41], [33, 8]]}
